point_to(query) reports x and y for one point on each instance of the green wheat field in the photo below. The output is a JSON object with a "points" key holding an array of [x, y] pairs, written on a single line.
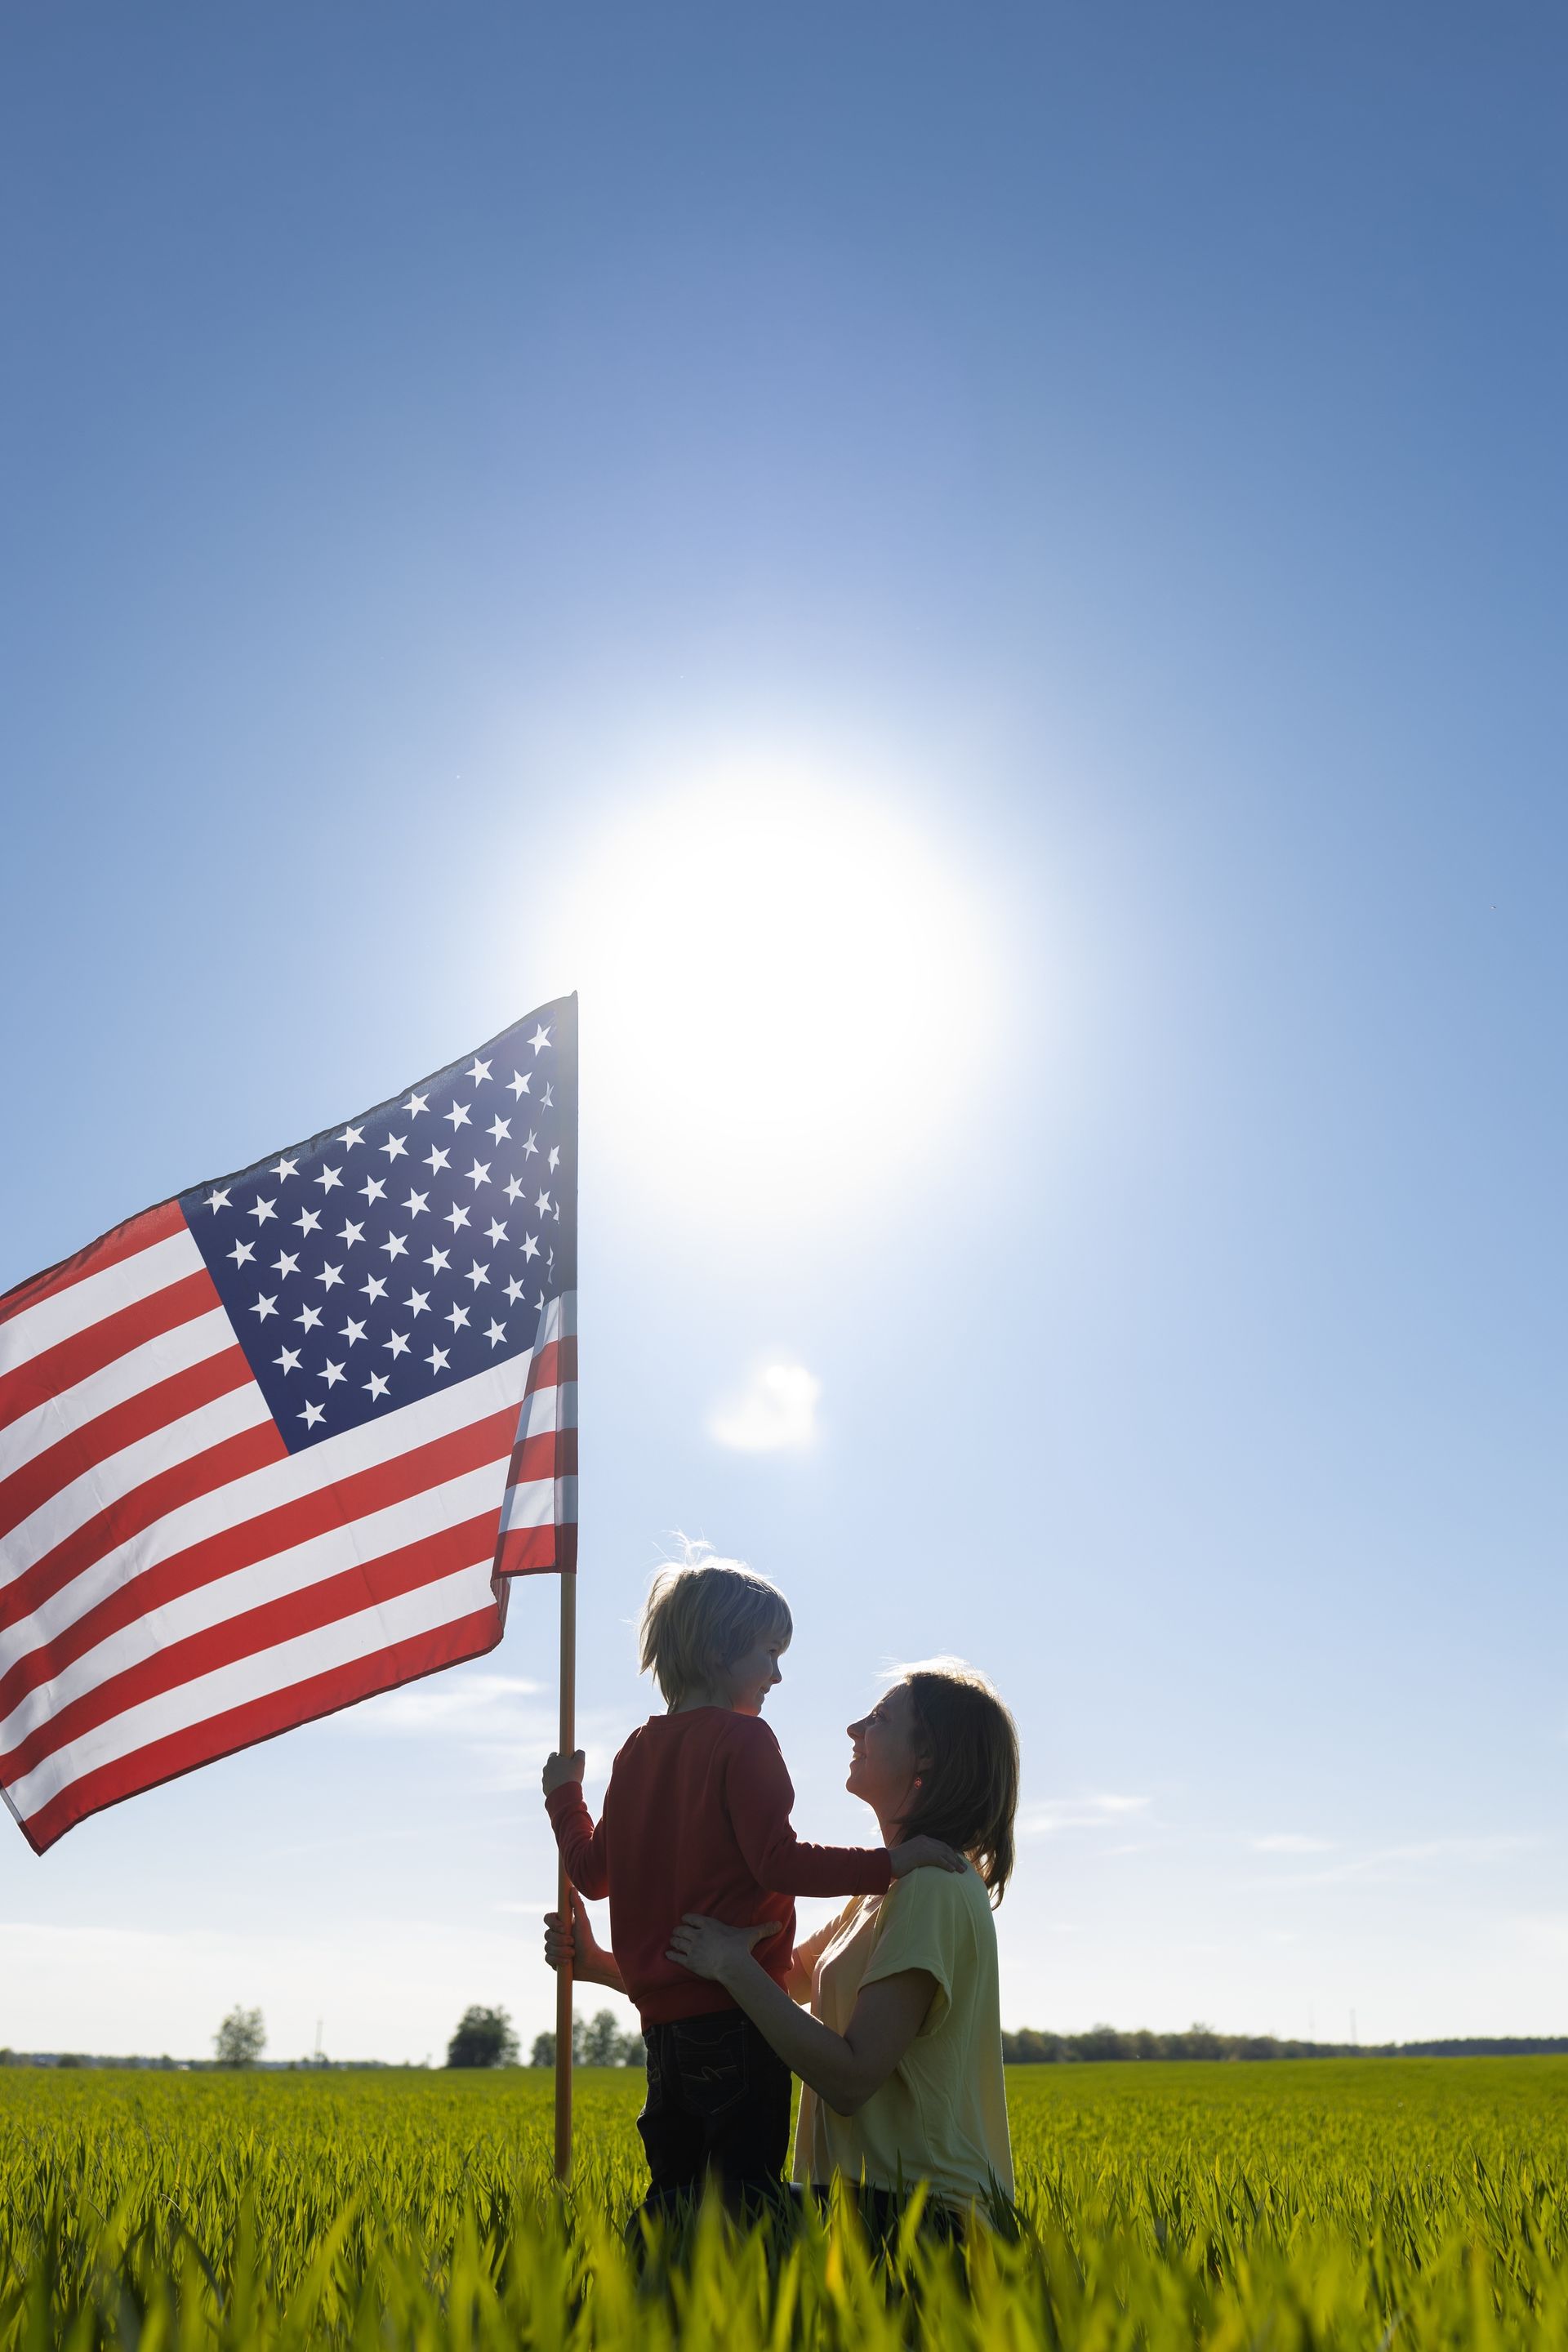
{"points": [[1378, 2204]]}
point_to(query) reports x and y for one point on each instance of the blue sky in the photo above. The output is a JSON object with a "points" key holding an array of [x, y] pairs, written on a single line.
{"points": [[989, 589]]}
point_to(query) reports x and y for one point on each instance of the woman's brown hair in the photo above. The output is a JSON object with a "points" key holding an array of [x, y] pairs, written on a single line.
{"points": [[968, 1747]]}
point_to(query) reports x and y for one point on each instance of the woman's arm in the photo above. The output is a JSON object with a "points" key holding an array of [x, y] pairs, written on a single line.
{"points": [[842, 2068], [574, 1941], [759, 1797]]}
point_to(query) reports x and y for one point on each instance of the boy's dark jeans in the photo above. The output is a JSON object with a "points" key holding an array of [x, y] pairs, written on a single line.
{"points": [[719, 2102]]}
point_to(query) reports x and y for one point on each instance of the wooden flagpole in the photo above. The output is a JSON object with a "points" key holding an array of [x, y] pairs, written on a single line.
{"points": [[568, 1741], [568, 1730]]}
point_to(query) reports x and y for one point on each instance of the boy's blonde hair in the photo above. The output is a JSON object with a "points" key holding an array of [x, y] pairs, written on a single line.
{"points": [[700, 1614]]}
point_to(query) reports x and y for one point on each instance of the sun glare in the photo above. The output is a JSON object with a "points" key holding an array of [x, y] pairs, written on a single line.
{"points": [[785, 990]]}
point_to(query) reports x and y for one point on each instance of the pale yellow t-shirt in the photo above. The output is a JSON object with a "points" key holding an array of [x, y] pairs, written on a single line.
{"points": [[942, 2114]]}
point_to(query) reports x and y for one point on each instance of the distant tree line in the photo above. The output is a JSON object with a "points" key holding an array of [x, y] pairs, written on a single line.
{"points": [[1029, 2048], [1504, 2046], [596, 2042], [484, 2038]]}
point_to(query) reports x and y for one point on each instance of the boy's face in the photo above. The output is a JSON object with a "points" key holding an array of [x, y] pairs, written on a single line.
{"points": [[748, 1679]]}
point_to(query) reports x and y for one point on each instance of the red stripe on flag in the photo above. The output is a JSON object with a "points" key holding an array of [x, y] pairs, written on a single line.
{"points": [[556, 1362], [183, 1482], [552, 1454], [365, 1585], [60, 1367], [259, 1538], [262, 1718], [151, 1408], [538, 1552], [136, 1233]]}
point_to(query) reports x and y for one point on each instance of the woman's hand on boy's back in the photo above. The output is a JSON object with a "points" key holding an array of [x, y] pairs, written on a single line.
{"points": [[924, 1854], [710, 1949], [560, 1772]]}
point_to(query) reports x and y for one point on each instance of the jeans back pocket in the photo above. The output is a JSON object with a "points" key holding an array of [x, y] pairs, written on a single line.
{"points": [[711, 2056]]}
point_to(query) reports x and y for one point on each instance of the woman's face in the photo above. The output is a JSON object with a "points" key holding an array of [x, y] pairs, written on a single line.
{"points": [[884, 1761]]}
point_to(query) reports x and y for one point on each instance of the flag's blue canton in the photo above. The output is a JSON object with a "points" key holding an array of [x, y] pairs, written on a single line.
{"points": [[408, 1248]]}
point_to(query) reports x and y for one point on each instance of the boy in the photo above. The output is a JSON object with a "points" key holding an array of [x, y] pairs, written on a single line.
{"points": [[696, 1819]]}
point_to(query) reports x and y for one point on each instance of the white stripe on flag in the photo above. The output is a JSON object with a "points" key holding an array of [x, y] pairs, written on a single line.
{"points": [[544, 1411], [119, 1474], [531, 1506], [140, 1368], [535, 1504], [71, 1310], [270, 1489], [423, 1610], [294, 1569]]}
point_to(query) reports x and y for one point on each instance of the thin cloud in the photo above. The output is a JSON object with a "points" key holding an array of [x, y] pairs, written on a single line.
{"points": [[1098, 1812], [470, 1707], [504, 1722], [1292, 1841], [775, 1413], [1394, 1861]]}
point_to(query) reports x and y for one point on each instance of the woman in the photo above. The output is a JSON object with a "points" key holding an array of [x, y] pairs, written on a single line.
{"points": [[901, 2054]]}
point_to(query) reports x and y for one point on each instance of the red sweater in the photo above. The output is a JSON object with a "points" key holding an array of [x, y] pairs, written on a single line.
{"points": [[696, 1819]]}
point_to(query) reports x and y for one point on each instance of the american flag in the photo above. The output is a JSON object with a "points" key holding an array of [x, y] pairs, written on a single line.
{"points": [[279, 1443]]}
